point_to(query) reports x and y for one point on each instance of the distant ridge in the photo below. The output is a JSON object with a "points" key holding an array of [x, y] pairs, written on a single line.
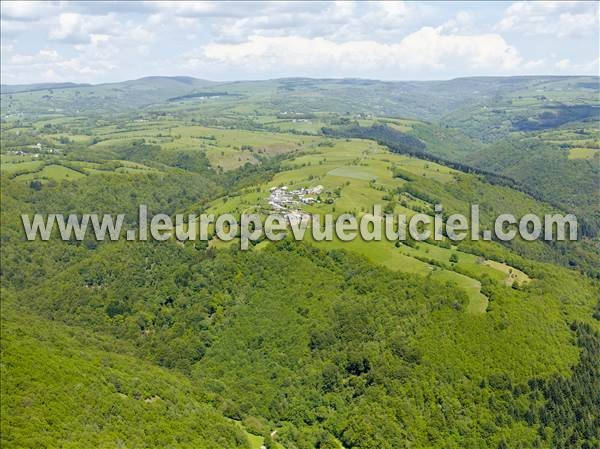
{"points": [[195, 82], [15, 88], [184, 82], [427, 100], [181, 79], [162, 82]]}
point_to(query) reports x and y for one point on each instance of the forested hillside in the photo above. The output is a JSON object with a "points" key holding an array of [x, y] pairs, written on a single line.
{"points": [[300, 344]]}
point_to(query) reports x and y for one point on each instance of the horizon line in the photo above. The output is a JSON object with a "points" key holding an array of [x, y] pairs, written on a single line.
{"points": [[88, 84]]}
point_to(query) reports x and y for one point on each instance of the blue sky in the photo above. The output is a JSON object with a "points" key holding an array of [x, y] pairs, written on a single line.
{"points": [[112, 41]]}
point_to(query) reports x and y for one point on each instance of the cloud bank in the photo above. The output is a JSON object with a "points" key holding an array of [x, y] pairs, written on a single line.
{"points": [[107, 41]]}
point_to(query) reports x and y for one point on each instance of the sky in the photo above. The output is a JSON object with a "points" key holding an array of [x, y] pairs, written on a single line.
{"points": [[98, 42]]}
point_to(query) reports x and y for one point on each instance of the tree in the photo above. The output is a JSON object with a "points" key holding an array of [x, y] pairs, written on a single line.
{"points": [[36, 185]]}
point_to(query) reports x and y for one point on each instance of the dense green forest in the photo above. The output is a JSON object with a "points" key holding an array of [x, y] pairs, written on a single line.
{"points": [[300, 345]]}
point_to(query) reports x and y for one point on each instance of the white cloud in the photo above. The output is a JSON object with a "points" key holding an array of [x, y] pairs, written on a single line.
{"points": [[49, 65], [68, 27], [557, 18], [426, 49], [12, 27], [463, 22], [41, 57], [49, 55], [140, 34], [193, 9], [78, 28], [567, 66], [235, 40], [339, 21], [27, 10]]}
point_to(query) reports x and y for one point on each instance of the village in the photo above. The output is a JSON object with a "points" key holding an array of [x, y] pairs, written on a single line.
{"points": [[289, 202], [38, 150]]}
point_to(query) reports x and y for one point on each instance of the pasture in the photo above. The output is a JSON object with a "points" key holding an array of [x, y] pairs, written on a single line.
{"points": [[357, 175]]}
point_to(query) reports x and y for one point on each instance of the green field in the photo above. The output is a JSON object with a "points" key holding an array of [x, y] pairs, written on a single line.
{"points": [[583, 153], [349, 167], [51, 173]]}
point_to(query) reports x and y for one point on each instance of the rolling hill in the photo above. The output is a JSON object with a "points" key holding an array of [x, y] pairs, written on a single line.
{"points": [[301, 344]]}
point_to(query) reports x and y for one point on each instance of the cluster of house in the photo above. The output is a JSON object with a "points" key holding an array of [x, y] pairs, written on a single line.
{"points": [[22, 153], [282, 198], [289, 202], [295, 116], [37, 147]]}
